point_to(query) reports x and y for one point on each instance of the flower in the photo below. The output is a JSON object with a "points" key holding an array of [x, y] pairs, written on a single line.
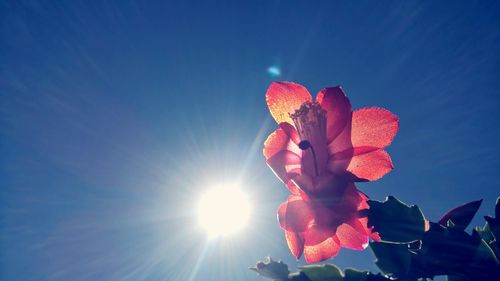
{"points": [[319, 150]]}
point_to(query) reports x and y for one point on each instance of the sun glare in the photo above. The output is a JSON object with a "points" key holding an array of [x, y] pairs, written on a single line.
{"points": [[223, 210]]}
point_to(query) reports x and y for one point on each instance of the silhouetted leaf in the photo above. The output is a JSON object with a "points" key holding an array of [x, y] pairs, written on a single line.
{"points": [[298, 276], [396, 221], [272, 269], [393, 259], [485, 252], [351, 274], [485, 233], [456, 278], [494, 223], [325, 272]]}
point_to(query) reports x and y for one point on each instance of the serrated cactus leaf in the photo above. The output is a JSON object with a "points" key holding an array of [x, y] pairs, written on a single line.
{"points": [[351, 274], [325, 272], [395, 221], [272, 269], [392, 259]]}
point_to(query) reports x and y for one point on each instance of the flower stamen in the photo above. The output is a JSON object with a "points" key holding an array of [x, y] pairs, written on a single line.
{"points": [[310, 122], [307, 145]]}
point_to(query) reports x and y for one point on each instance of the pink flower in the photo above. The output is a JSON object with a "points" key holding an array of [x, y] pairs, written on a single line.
{"points": [[320, 148]]}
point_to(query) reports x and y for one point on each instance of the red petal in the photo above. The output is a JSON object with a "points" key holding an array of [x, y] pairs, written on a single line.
{"points": [[282, 214], [375, 127], [283, 98], [292, 187], [317, 234], [281, 139], [349, 201], [338, 110], [296, 215], [323, 185], [369, 230], [342, 142], [375, 237], [352, 235], [290, 131], [370, 166], [295, 243], [322, 251], [363, 205], [283, 163], [304, 182], [295, 189]]}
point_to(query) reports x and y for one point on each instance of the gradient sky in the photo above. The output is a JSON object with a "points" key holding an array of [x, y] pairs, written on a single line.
{"points": [[116, 117]]}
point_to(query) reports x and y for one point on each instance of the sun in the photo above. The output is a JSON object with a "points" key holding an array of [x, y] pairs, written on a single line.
{"points": [[224, 210]]}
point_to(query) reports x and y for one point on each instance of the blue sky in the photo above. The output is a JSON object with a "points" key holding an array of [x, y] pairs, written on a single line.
{"points": [[115, 117]]}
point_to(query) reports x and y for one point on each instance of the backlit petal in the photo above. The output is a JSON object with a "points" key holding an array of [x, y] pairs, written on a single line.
{"points": [[320, 252], [280, 140], [317, 234], [370, 166], [293, 188], [283, 98], [338, 110], [375, 127], [284, 163], [291, 132], [348, 202], [363, 205], [295, 243], [304, 182], [352, 235], [296, 215]]}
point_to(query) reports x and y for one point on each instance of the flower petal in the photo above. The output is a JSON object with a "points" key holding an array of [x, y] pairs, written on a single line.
{"points": [[283, 98], [363, 205], [338, 109], [352, 235], [375, 127], [284, 163], [322, 251], [281, 139], [348, 202], [296, 215], [317, 234], [370, 166], [295, 243], [291, 132], [293, 188], [304, 182], [320, 186]]}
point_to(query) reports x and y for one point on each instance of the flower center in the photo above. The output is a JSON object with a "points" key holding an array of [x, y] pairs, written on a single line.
{"points": [[310, 121]]}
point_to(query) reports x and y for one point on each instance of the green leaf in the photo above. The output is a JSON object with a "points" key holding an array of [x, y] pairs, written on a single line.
{"points": [[494, 223], [298, 276], [325, 272], [485, 252], [485, 232], [450, 247], [351, 274], [272, 269], [393, 259], [395, 221], [456, 278]]}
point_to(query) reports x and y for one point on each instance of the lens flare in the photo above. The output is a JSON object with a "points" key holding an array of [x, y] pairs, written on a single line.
{"points": [[223, 210], [274, 71]]}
